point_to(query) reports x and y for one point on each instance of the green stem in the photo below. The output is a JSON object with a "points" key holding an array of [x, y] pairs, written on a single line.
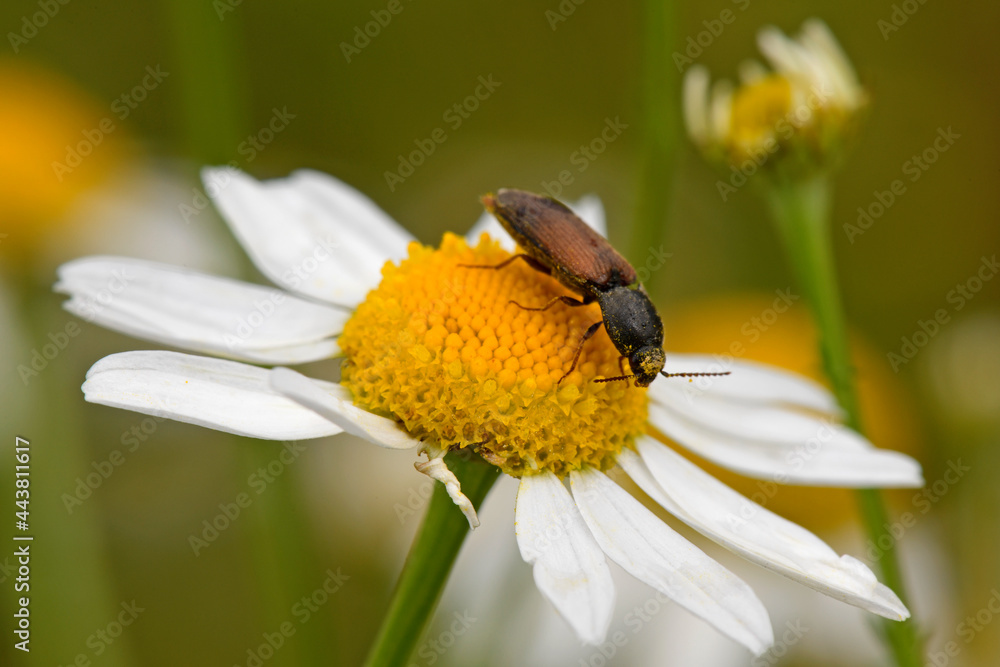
{"points": [[210, 88], [658, 130], [802, 211], [430, 560]]}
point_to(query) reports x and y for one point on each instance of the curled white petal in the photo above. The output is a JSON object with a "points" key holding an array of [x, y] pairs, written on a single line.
{"points": [[199, 312], [435, 468], [309, 232], [224, 395], [569, 566], [753, 532], [333, 402], [647, 548]]}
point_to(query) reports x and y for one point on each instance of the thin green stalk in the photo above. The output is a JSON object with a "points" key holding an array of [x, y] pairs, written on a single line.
{"points": [[802, 211], [429, 563], [287, 565], [658, 130], [210, 90]]}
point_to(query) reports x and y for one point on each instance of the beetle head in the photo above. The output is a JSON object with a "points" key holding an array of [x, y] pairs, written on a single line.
{"points": [[646, 363]]}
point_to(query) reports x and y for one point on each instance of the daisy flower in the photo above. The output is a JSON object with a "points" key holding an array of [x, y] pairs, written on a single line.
{"points": [[438, 359], [805, 106]]}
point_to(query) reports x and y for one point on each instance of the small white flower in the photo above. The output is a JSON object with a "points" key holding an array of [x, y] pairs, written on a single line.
{"points": [[805, 105], [325, 245]]}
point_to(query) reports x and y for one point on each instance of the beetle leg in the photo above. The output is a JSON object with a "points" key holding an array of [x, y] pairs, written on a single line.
{"points": [[621, 364], [530, 261], [568, 300], [590, 332]]}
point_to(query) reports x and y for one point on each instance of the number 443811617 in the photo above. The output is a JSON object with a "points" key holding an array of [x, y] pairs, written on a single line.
{"points": [[22, 471]]}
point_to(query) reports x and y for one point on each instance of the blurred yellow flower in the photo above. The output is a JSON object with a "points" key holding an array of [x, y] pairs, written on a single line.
{"points": [[47, 157]]}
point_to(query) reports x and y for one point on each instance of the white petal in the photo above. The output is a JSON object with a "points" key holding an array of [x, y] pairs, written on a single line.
{"points": [[647, 548], [817, 37], [224, 395], [753, 532], [751, 71], [488, 224], [199, 312], [781, 52], [827, 459], [309, 232], [749, 381], [333, 402], [767, 423], [588, 208], [569, 566], [720, 110], [695, 99]]}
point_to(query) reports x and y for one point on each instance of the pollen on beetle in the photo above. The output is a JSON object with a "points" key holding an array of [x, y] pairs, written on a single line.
{"points": [[440, 348]]}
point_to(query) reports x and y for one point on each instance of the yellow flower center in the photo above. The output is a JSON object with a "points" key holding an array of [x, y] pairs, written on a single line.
{"points": [[440, 348], [757, 109]]}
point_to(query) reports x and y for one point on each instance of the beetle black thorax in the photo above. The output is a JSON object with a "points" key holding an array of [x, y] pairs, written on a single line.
{"points": [[630, 318]]}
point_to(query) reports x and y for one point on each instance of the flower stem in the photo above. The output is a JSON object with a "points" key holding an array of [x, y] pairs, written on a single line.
{"points": [[658, 128], [430, 560], [802, 211]]}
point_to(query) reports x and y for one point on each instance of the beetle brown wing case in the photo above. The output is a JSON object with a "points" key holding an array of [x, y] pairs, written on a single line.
{"points": [[555, 236]]}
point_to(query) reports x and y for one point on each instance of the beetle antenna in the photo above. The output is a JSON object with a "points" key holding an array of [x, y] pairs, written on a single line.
{"points": [[691, 375], [615, 379]]}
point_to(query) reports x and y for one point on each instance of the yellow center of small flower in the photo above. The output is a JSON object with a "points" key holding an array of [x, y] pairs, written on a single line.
{"points": [[757, 110], [440, 348]]}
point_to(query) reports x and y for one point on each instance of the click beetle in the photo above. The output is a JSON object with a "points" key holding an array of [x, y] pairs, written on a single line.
{"points": [[554, 241]]}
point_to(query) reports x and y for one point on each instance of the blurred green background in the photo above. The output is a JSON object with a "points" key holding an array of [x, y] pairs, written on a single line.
{"points": [[225, 69]]}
